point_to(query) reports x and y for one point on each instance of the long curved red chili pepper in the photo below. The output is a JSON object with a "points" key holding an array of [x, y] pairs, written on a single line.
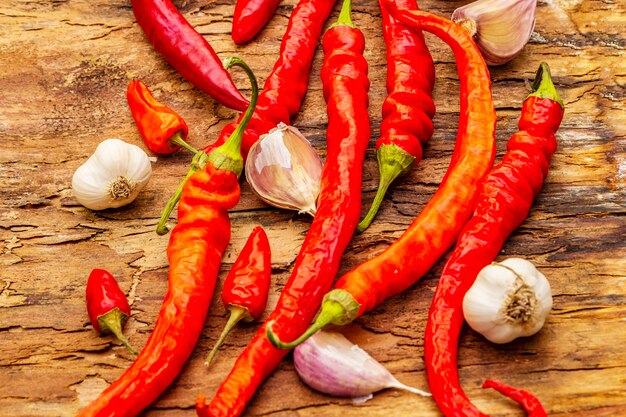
{"points": [[107, 305], [436, 228], [194, 252], [186, 50], [345, 87], [162, 129], [285, 87], [250, 17], [506, 197], [246, 287], [408, 109]]}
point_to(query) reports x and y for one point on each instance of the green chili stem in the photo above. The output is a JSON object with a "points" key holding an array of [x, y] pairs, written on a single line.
{"points": [[344, 18], [237, 314], [326, 317], [543, 86], [226, 157], [112, 322], [177, 139]]}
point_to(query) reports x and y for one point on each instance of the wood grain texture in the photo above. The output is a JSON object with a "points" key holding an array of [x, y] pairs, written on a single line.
{"points": [[64, 67]]}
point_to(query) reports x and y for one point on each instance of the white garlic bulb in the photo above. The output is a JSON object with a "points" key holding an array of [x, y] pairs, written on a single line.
{"points": [[501, 28], [508, 300], [113, 176], [284, 170]]}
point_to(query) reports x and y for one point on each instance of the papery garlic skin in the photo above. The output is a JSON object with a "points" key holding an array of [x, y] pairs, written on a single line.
{"points": [[113, 176], [330, 363], [501, 28], [508, 300], [284, 170]]}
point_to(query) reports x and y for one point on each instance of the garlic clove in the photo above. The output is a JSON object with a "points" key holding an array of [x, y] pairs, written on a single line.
{"points": [[284, 170], [501, 28], [330, 363], [113, 175], [508, 300]]}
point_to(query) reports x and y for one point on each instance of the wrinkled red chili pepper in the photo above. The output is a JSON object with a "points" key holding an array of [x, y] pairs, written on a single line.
{"points": [[345, 85], [436, 228], [195, 251], [246, 287], [250, 17], [285, 87], [506, 197], [408, 109], [186, 50], [162, 129], [107, 305]]}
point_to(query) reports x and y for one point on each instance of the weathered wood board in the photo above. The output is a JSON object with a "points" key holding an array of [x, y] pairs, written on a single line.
{"points": [[64, 67]]}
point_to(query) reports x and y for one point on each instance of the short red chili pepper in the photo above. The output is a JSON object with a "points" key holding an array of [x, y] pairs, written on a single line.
{"points": [[195, 251], [246, 287], [162, 129], [107, 305], [285, 87], [250, 17], [436, 228], [345, 85], [187, 51], [408, 109], [505, 200]]}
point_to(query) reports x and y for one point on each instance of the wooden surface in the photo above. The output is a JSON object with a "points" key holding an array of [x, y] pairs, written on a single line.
{"points": [[64, 67]]}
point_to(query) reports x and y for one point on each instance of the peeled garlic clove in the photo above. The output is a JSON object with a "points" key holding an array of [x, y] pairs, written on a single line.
{"points": [[284, 170], [501, 28], [508, 300], [113, 176], [330, 363]]}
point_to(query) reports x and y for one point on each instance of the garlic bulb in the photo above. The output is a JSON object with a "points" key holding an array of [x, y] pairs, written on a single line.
{"points": [[508, 300], [501, 28], [113, 176], [284, 170], [330, 363]]}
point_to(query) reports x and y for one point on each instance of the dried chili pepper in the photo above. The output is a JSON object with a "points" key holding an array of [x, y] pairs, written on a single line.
{"points": [[345, 87], [285, 87], [186, 50], [436, 228], [504, 202], [195, 252], [247, 285], [250, 17], [408, 109], [107, 305], [162, 129]]}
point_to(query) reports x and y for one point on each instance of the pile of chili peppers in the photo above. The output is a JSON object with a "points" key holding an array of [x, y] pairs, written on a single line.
{"points": [[476, 205]]}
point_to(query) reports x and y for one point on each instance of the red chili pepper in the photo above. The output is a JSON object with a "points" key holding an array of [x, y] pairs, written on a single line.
{"points": [[408, 109], [436, 228], [186, 50], [247, 285], [504, 202], [162, 129], [107, 305], [195, 252], [345, 85], [287, 84], [250, 17]]}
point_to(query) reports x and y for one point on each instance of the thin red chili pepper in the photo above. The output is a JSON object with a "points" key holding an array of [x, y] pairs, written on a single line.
{"points": [[436, 228], [250, 17], [285, 87], [162, 129], [504, 202], [408, 109], [246, 287], [186, 50], [195, 251], [107, 305], [345, 86]]}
